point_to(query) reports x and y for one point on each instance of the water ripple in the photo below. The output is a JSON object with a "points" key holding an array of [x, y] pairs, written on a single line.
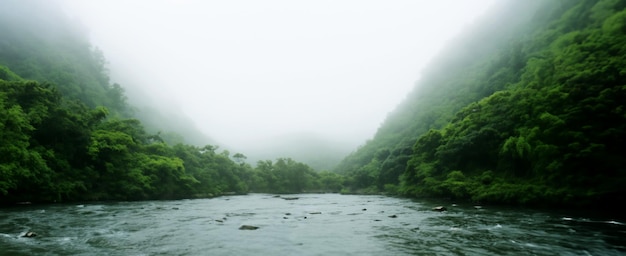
{"points": [[326, 224]]}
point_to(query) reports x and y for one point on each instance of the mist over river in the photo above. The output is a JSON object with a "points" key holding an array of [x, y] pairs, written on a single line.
{"points": [[307, 224]]}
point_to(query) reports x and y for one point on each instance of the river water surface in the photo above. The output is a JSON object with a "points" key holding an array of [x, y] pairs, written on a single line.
{"points": [[312, 224]]}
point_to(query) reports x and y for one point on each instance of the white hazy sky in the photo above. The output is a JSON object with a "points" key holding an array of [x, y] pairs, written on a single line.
{"points": [[247, 70]]}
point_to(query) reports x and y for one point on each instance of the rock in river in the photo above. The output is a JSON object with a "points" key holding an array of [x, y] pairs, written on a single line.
{"points": [[248, 227], [440, 209]]}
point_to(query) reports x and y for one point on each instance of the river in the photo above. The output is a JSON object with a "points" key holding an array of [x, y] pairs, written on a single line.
{"points": [[308, 224]]}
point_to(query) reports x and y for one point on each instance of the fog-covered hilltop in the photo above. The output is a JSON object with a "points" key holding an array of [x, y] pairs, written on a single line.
{"points": [[524, 107], [68, 133], [39, 42]]}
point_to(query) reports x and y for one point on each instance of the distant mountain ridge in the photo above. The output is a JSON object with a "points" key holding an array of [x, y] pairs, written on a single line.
{"points": [[317, 151]]}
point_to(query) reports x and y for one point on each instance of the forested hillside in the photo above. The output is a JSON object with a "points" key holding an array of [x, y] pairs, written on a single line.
{"points": [[69, 134], [525, 107], [39, 43]]}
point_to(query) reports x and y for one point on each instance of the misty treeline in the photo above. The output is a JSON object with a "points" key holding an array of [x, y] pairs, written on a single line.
{"points": [[526, 107], [69, 134]]}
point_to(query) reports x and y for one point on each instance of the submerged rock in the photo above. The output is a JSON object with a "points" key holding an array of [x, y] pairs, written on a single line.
{"points": [[393, 216], [30, 234], [248, 227]]}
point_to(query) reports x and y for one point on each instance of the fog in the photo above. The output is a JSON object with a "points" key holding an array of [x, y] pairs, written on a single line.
{"points": [[248, 72]]}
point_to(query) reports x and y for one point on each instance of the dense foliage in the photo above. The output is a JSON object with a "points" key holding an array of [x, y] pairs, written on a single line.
{"points": [[68, 134], [533, 115]]}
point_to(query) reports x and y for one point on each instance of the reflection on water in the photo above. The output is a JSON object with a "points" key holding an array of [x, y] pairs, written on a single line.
{"points": [[313, 224]]}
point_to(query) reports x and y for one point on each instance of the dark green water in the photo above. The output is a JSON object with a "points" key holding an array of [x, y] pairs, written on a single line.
{"points": [[314, 224]]}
